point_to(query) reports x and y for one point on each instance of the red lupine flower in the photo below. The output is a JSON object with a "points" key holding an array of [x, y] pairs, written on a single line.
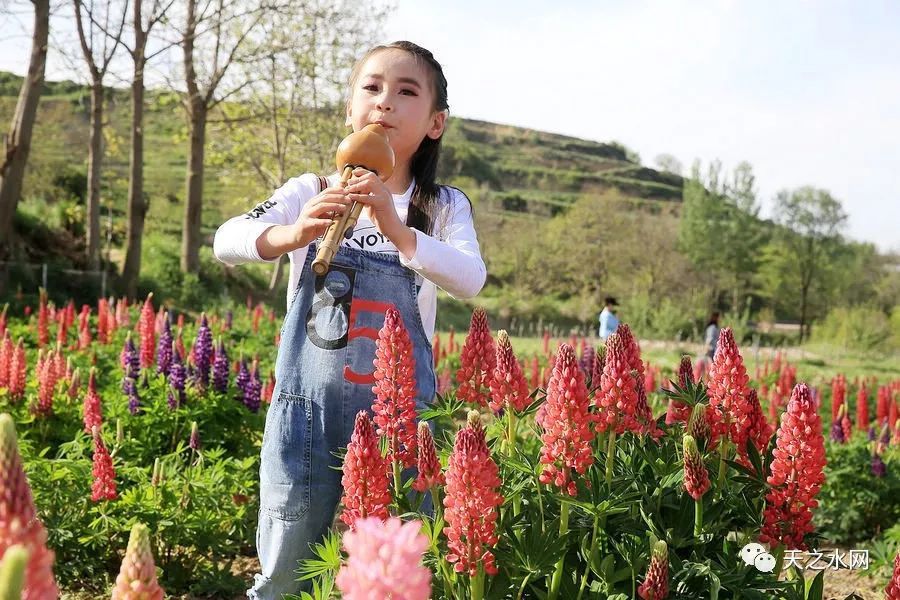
{"points": [[18, 368], [838, 393], [3, 320], [892, 412], [6, 355], [477, 361], [103, 321], [881, 406], [633, 353], [365, 479], [43, 320], [759, 431], [728, 391], [137, 576], [147, 331], [92, 414], [862, 409], [796, 473], [471, 502], [678, 411], [892, 591], [429, 467], [509, 391], [656, 584], [698, 424], [395, 389], [47, 380], [104, 486], [566, 422], [696, 477], [617, 397], [598, 362], [19, 522]]}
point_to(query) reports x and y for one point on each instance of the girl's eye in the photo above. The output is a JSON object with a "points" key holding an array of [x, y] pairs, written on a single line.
{"points": [[371, 87], [409, 92]]}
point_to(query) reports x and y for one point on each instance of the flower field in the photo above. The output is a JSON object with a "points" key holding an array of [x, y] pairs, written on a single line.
{"points": [[129, 458]]}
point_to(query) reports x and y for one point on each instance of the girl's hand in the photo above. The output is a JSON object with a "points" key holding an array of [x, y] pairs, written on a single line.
{"points": [[318, 213], [367, 188]]}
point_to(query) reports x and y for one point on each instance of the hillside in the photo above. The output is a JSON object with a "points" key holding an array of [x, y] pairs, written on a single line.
{"points": [[510, 173], [527, 170]]}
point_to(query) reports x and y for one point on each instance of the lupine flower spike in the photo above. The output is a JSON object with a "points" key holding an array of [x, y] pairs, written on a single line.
{"points": [[656, 584], [797, 473], [365, 479], [20, 524], [385, 561], [137, 576], [477, 361]]}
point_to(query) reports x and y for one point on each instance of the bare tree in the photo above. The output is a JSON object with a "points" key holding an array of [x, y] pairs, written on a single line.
{"points": [[99, 43], [137, 206], [17, 143], [290, 118], [217, 34]]}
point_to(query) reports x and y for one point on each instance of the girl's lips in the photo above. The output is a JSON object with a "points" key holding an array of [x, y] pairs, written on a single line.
{"points": [[383, 124]]}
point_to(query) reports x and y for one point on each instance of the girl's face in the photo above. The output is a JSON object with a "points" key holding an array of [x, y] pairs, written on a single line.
{"points": [[394, 90]]}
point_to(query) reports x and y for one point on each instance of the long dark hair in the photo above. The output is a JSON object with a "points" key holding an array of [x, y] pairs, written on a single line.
{"points": [[424, 163]]}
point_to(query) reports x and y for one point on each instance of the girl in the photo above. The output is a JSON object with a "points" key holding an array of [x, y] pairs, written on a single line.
{"points": [[412, 237]]}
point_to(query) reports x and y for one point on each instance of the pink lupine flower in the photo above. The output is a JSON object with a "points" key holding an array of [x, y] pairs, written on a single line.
{"points": [[147, 331], [19, 523], [617, 397], [104, 486], [395, 389], [566, 423], [93, 416], [797, 473], [385, 561], [18, 368], [728, 391], [477, 361], [656, 584], [6, 355], [471, 502], [429, 467], [509, 391], [365, 479], [696, 477], [892, 591], [137, 576]]}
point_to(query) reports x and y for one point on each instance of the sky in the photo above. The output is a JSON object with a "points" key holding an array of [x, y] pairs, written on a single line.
{"points": [[807, 92]]}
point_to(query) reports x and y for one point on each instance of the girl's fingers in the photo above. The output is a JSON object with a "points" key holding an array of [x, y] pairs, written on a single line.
{"points": [[361, 198], [323, 207]]}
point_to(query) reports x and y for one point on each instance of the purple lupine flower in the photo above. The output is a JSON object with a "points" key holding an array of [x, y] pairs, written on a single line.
{"points": [[837, 432], [164, 348], [176, 377], [872, 434], [131, 390], [885, 435], [253, 391], [220, 369], [203, 349], [587, 359], [879, 469], [242, 379], [130, 361], [194, 442], [229, 317]]}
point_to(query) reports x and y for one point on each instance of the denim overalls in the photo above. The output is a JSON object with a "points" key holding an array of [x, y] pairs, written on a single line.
{"points": [[323, 378]]}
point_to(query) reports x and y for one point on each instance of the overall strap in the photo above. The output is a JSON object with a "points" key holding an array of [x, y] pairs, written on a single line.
{"points": [[323, 183]]}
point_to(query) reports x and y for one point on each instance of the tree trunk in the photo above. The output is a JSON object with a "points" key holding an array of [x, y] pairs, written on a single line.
{"points": [[18, 142], [136, 209], [95, 158], [193, 206], [803, 292]]}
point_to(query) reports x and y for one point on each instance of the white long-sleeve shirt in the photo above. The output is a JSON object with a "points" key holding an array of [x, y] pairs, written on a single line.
{"points": [[450, 260]]}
